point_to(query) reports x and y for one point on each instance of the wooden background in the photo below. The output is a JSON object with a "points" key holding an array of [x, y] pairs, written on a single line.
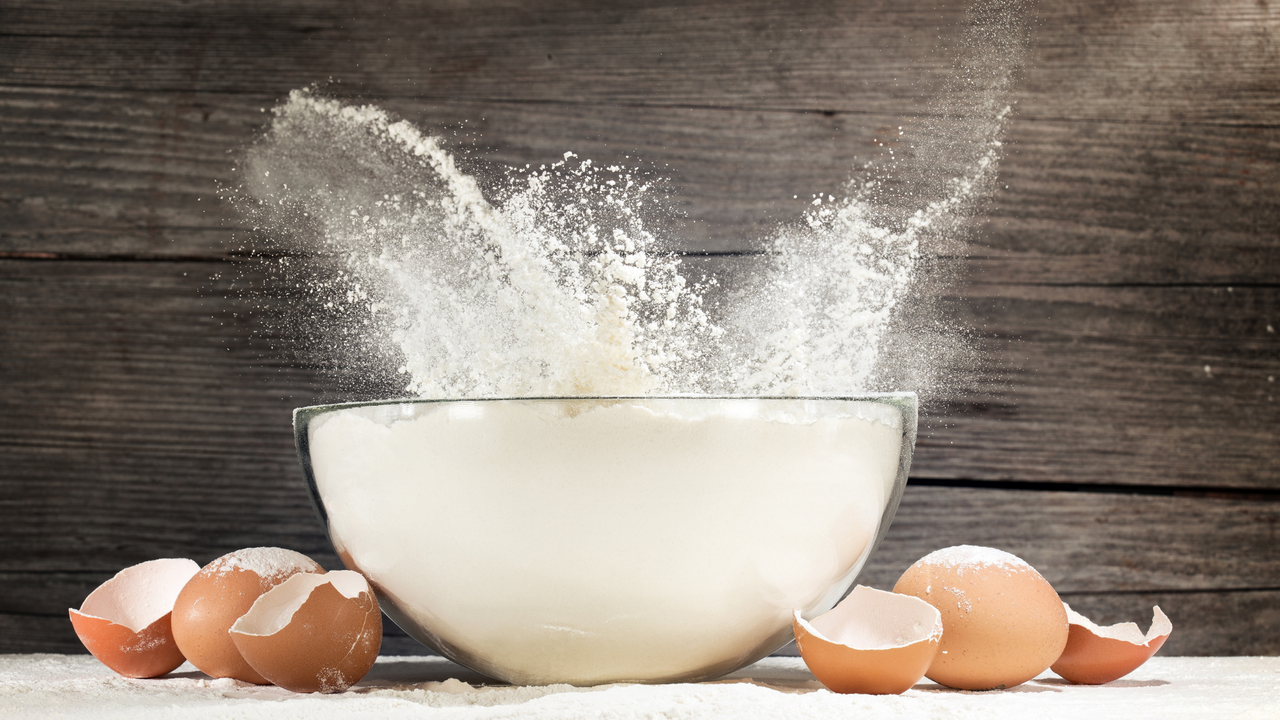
{"points": [[1122, 434]]}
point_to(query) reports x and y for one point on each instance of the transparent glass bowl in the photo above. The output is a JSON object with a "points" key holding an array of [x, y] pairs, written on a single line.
{"points": [[593, 540]]}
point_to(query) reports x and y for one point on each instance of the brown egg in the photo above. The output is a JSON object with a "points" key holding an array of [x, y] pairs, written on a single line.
{"points": [[125, 622], [1003, 623], [218, 595], [1097, 655], [313, 633], [873, 642]]}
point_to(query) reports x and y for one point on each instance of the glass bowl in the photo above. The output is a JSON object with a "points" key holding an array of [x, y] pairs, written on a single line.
{"points": [[594, 540]]}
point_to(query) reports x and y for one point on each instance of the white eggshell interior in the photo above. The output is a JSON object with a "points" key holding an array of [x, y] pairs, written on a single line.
{"points": [[274, 609], [1128, 632], [870, 619], [142, 594]]}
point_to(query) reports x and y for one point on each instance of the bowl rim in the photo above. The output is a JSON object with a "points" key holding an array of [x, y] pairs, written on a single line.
{"points": [[907, 402], [308, 412]]}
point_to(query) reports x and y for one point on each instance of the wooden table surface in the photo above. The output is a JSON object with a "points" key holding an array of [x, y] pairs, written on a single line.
{"points": [[1170, 688], [1123, 287]]}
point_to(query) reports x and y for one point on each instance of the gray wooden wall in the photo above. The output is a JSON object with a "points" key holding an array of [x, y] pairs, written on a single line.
{"points": [[1122, 434]]}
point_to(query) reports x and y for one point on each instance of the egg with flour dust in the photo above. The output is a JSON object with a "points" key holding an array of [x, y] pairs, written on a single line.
{"points": [[1003, 624], [215, 598]]}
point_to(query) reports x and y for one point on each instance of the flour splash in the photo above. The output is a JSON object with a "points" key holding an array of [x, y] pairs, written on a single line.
{"points": [[559, 280]]}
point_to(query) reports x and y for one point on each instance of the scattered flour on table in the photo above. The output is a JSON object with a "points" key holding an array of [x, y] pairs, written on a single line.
{"points": [[1171, 688]]}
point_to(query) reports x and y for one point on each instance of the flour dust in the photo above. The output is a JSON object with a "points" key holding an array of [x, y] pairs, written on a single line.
{"points": [[560, 280]]}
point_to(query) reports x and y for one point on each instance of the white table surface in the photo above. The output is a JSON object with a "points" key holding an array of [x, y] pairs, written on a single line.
{"points": [[77, 686]]}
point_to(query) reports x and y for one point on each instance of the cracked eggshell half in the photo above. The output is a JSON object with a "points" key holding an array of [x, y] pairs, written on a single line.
{"points": [[873, 642], [1003, 623], [125, 622], [218, 595], [313, 633], [1095, 655]]}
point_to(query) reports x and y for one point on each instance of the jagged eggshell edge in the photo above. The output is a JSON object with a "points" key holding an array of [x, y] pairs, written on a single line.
{"points": [[1096, 655], [143, 652], [327, 644], [857, 666]]}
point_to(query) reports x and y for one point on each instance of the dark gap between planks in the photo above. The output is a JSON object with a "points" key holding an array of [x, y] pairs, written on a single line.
{"points": [[1186, 491]]}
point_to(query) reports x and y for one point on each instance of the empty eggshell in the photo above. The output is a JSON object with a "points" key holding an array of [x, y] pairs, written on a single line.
{"points": [[1003, 623], [218, 595], [873, 642], [313, 633], [125, 622], [1095, 655]]}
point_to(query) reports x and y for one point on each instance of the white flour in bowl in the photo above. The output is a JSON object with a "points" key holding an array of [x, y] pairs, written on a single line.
{"points": [[606, 540]]}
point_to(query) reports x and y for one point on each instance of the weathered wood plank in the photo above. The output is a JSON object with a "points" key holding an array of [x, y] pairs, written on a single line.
{"points": [[137, 173], [1174, 204], [1170, 385], [110, 173], [1140, 60], [1093, 543], [1212, 564]]}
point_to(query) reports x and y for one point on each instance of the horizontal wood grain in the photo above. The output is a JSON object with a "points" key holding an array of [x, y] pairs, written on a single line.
{"points": [[1093, 543], [1122, 203], [1170, 385], [120, 173], [1139, 60]]}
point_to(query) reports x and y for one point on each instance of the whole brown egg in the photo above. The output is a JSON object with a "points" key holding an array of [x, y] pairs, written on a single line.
{"points": [[1003, 624]]}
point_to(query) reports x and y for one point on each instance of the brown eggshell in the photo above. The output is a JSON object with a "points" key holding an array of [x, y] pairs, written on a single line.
{"points": [[873, 642], [1003, 623], [124, 623], [313, 633], [218, 595], [1095, 655]]}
